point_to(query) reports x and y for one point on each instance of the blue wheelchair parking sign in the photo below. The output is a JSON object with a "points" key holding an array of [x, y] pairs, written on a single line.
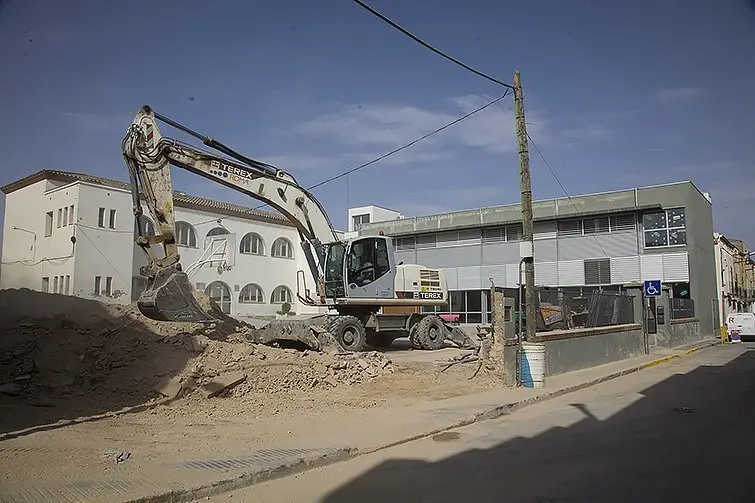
{"points": [[653, 288]]}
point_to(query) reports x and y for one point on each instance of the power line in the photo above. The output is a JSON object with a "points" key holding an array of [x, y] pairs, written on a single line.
{"points": [[407, 145], [428, 46], [387, 154], [553, 172]]}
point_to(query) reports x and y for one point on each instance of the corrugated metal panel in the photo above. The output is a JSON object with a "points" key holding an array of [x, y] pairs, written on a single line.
{"points": [[452, 278], [469, 278], [546, 273], [651, 267], [675, 267], [620, 244], [495, 272], [546, 251], [545, 230], [504, 253], [512, 276], [571, 273], [625, 269], [407, 257], [460, 256], [574, 248]]}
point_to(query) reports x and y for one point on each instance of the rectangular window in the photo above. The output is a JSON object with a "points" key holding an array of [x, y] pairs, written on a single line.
{"points": [[48, 224], [112, 219], [359, 220], [403, 244], [46, 284], [595, 225], [97, 285], [109, 286], [68, 284], [101, 218], [65, 216], [570, 228], [70, 215], [425, 241], [494, 235], [665, 228], [598, 272], [60, 218], [623, 223], [514, 232], [55, 285]]}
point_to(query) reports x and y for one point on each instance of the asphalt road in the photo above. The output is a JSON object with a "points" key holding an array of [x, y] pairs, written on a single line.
{"points": [[680, 432]]}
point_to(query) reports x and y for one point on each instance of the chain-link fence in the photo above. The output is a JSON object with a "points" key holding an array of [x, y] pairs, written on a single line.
{"points": [[682, 308], [561, 309]]}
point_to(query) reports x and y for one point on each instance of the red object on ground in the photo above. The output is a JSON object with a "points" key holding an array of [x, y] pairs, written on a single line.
{"points": [[451, 318]]}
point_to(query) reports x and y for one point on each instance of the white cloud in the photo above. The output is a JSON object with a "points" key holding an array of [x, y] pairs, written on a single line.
{"points": [[391, 125], [677, 94]]}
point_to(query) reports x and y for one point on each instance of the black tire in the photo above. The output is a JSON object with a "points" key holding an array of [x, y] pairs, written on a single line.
{"points": [[429, 334], [349, 332], [379, 339]]}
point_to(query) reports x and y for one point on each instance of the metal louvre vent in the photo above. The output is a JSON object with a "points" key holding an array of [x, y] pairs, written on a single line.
{"points": [[429, 278], [598, 272]]}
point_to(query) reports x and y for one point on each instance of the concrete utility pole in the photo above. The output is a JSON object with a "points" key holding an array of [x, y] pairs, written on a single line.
{"points": [[528, 248]]}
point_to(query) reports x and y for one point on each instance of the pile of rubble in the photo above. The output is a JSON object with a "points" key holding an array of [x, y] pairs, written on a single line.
{"points": [[58, 349]]}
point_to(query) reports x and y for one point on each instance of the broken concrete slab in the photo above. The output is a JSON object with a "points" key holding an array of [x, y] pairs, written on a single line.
{"points": [[222, 383], [169, 387]]}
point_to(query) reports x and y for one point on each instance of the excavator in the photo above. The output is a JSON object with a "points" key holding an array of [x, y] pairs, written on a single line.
{"points": [[354, 278]]}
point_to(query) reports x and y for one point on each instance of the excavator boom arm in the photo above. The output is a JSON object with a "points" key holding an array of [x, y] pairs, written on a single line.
{"points": [[149, 156]]}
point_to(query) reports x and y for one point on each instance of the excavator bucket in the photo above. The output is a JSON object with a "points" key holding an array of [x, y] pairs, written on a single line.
{"points": [[171, 298]]}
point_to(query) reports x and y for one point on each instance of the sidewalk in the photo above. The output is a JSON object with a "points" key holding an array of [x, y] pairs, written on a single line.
{"points": [[170, 480]]}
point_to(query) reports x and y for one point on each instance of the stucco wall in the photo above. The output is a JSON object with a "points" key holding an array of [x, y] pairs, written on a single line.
{"points": [[570, 350]]}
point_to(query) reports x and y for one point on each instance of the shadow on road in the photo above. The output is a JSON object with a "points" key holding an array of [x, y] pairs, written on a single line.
{"points": [[690, 438]]}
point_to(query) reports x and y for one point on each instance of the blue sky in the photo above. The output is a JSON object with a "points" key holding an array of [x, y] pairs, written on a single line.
{"points": [[618, 94]]}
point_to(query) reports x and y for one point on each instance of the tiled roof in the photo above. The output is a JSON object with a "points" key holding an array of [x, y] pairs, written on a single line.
{"points": [[180, 199]]}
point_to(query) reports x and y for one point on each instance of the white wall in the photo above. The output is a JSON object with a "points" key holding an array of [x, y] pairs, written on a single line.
{"points": [[376, 213], [28, 258], [104, 252], [111, 253], [264, 270]]}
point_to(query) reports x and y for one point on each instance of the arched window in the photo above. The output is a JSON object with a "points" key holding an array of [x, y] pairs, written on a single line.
{"points": [[186, 235], [221, 294], [252, 244], [281, 294], [251, 294], [217, 231], [282, 248], [145, 225]]}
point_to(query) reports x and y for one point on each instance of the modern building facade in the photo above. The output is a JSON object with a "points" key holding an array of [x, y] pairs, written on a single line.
{"points": [[735, 278], [73, 234], [609, 241]]}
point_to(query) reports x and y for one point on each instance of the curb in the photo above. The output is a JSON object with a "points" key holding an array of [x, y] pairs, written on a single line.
{"points": [[346, 454]]}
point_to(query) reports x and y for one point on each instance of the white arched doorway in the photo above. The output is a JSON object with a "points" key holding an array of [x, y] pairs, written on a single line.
{"points": [[221, 294]]}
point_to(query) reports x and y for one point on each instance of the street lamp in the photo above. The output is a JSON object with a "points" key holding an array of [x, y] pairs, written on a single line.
{"points": [[34, 243]]}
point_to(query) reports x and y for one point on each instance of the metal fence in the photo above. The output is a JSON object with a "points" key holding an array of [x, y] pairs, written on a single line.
{"points": [[682, 308], [560, 309]]}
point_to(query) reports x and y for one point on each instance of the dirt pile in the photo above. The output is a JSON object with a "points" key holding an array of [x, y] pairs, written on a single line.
{"points": [[89, 357]]}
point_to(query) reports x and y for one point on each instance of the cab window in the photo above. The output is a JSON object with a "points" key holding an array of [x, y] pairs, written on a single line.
{"points": [[368, 261]]}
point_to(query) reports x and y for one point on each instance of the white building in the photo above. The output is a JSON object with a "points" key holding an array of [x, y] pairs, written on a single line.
{"points": [[367, 214], [735, 278], [73, 234]]}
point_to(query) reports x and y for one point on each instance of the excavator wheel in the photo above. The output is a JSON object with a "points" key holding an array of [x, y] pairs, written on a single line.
{"points": [[349, 332], [428, 334]]}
